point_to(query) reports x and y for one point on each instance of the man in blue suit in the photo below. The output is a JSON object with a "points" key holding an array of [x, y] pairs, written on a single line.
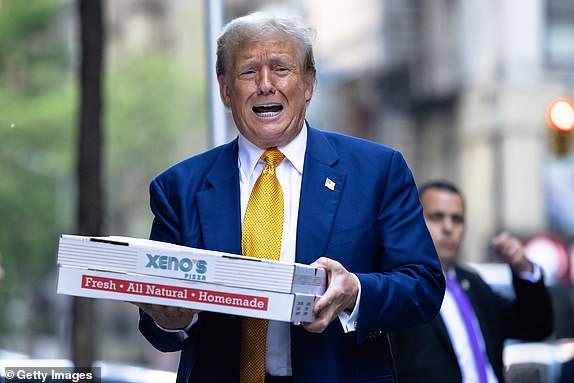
{"points": [[350, 206]]}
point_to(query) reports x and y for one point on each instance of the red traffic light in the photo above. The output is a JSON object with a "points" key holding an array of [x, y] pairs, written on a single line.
{"points": [[560, 114]]}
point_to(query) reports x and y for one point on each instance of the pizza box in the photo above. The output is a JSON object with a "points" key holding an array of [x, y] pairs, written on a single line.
{"points": [[286, 307], [160, 259]]}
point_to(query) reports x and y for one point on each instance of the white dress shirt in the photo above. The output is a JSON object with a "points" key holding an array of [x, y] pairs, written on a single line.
{"points": [[458, 337], [460, 342], [289, 173]]}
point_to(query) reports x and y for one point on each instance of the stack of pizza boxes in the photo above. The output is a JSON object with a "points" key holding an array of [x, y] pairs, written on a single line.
{"points": [[145, 271]]}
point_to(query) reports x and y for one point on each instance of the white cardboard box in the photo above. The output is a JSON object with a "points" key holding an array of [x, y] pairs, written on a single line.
{"points": [[81, 282], [146, 257]]}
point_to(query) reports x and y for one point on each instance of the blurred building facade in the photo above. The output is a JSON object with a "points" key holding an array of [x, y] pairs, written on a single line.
{"points": [[481, 86]]}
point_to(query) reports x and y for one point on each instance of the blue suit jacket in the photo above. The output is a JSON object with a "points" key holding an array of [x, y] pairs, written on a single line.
{"points": [[371, 223]]}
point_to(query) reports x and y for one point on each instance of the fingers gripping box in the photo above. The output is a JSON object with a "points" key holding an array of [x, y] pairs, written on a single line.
{"points": [[140, 270]]}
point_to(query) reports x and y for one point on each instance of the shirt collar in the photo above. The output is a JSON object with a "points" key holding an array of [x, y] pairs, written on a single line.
{"points": [[294, 151], [451, 273]]}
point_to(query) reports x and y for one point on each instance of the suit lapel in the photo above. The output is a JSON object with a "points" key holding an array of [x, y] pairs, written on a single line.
{"points": [[469, 287], [438, 323], [442, 333], [321, 189], [317, 206], [219, 205]]}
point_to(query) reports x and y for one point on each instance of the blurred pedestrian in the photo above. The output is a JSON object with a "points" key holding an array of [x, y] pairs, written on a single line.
{"points": [[465, 342], [286, 190]]}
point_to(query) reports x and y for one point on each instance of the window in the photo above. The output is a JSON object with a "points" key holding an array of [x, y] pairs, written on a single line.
{"points": [[559, 46]]}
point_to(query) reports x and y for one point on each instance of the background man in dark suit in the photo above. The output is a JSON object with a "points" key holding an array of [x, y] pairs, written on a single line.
{"points": [[447, 350], [350, 206]]}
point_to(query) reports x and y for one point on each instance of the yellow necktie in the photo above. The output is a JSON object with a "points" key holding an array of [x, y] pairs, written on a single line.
{"points": [[261, 238]]}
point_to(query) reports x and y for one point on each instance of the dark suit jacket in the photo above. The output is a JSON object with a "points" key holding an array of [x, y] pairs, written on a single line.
{"points": [[425, 353], [371, 223]]}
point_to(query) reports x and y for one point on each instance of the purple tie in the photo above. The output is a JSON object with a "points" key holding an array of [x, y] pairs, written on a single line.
{"points": [[466, 312]]}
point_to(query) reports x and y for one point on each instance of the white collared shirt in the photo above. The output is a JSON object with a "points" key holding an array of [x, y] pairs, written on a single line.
{"points": [[457, 331], [289, 173]]}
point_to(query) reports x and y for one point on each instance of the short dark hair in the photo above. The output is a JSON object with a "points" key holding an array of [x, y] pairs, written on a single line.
{"points": [[439, 185]]}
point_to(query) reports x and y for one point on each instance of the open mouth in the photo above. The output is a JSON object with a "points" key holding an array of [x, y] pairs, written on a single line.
{"points": [[267, 110]]}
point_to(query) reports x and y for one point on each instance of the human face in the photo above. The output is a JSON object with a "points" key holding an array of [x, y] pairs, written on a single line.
{"points": [[266, 90], [444, 216]]}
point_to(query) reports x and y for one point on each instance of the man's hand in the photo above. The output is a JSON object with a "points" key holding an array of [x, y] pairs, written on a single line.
{"points": [[510, 251], [341, 294], [170, 318]]}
